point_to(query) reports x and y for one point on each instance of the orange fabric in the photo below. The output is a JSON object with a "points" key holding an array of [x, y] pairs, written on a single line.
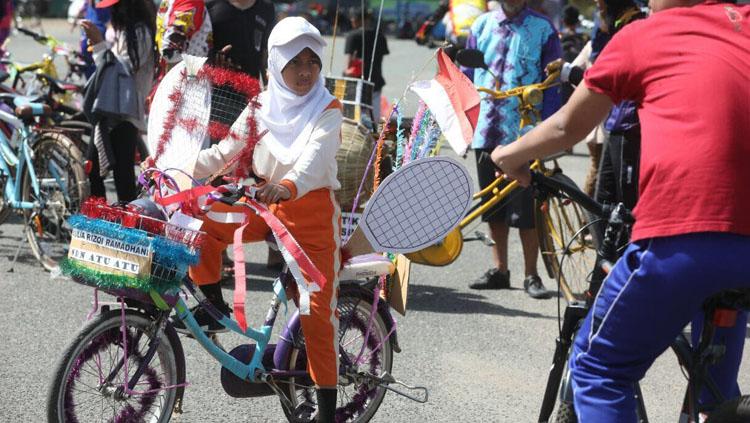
{"points": [[335, 104], [291, 187], [315, 222]]}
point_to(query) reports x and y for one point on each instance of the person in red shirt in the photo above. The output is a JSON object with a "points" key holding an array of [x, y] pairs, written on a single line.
{"points": [[692, 223]]}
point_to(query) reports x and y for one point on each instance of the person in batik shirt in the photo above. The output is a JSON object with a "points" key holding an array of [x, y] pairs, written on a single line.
{"points": [[517, 43]]}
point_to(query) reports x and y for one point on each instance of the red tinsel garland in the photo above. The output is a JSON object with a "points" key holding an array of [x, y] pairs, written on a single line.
{"points": [[238, 82], [169, 123]]}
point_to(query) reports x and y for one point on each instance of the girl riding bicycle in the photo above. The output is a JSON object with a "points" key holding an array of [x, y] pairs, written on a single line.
{"points": [[296, 160]]}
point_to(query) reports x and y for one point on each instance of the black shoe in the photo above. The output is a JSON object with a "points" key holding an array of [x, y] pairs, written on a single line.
{"points": [[326, 405], [492, 279], [534, 287], [208, 324]]}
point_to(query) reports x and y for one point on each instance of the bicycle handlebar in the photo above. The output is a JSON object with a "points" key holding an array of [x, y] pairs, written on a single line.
{"points": [[558, 185], [549, 82], [36, 36]]}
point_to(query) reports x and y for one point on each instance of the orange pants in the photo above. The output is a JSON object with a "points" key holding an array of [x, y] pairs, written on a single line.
{"points": [[315, 222]]}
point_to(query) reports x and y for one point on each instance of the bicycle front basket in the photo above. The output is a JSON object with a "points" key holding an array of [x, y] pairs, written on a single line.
{"points": [[115, 248]]}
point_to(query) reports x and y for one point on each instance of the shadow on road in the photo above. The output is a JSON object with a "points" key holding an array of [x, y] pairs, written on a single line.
{"points": [[448, 300], [9, 244]]}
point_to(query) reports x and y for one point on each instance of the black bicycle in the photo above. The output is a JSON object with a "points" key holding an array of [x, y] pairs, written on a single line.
{"points": [[719, 311]]}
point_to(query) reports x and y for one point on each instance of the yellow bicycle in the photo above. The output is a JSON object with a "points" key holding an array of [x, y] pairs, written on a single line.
{"points": [[566, 247]]}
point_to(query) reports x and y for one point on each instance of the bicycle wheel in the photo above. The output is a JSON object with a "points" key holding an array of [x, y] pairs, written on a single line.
{"points": [[567, 248], [63, 185], [358, 397], [88, 378], [733, 411], [5, 209]]}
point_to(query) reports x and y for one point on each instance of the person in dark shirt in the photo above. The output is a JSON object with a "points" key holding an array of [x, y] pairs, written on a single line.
{"points": [[244, 25], [240, 34], [363, 65]]}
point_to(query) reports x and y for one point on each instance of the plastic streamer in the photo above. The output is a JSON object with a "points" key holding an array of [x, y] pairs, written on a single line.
{"points": [[381, 138], [400, 139], [433, 136], [421, 139], [415, 125], [106, 280]]}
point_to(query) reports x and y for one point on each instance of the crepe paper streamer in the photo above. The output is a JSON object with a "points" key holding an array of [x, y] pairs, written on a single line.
{"points": [[297, 262], [105, 280]]}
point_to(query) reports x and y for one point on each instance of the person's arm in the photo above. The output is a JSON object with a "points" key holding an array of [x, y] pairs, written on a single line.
{"points": [[585, 109], [319, 153], [551, 51], [186, 18]]}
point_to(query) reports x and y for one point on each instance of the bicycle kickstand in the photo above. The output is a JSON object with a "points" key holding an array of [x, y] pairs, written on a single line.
{"points": [[15, 256], [387, 379]]}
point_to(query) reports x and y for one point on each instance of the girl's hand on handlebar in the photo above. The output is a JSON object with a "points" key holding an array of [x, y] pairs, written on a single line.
{"points": [[272, 193], [513, 168]]}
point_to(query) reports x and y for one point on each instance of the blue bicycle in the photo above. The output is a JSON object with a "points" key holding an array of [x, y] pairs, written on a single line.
{"points": [[43, 177]]}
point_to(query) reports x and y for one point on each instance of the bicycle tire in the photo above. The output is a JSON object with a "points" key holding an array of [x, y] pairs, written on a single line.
{"points": [[46, 231], [736, 410], [101, 334], [5, 209], [567, 252], [354, 307]]}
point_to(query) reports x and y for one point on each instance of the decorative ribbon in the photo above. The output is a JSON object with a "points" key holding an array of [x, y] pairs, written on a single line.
{"points": [[296, 259]]}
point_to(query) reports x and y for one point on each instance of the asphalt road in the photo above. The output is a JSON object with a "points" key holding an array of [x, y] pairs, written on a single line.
{"points": [[483, 355]]}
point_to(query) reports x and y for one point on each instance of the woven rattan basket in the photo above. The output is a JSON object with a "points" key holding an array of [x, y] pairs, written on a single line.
{"points": [[352, 158]]}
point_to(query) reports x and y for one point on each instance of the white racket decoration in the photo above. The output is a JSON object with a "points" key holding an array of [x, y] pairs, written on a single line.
{"points": [[414, 207], [197, 103]]}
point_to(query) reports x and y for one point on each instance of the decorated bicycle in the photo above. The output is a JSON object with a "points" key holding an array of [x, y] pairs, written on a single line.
{"points": [[131, 358], [567, 253]]}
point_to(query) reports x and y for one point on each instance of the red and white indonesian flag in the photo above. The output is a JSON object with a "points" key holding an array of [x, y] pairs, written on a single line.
{"points": [[453, 101]]}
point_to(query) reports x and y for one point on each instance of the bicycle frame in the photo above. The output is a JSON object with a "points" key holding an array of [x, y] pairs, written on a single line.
{"points": [[695, 359], [12, 189], [529, 96]]}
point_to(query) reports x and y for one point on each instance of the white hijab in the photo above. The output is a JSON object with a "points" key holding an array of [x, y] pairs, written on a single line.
{"points": [[289, 118]]}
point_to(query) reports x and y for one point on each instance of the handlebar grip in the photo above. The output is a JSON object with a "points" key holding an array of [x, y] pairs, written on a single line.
{"points": [[576, 75], [572, 192]]}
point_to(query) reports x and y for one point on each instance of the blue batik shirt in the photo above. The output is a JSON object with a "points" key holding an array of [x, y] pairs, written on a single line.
{"points": [[516, 50]]}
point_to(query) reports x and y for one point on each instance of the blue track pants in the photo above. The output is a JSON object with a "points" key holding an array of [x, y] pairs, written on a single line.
{"points": [[653, 292]]}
